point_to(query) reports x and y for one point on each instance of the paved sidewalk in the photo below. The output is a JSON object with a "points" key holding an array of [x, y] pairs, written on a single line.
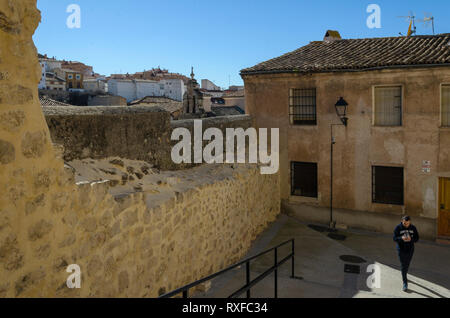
{"points": [[318, 262]]}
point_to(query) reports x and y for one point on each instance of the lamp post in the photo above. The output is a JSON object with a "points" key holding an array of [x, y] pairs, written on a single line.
{"points": [[341, 111]]}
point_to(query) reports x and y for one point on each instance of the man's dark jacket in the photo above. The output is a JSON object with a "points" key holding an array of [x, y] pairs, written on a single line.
{"points": [[398, 234]]}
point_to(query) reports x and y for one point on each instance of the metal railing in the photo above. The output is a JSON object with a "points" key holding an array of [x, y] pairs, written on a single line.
{"points": [[249, 283]]}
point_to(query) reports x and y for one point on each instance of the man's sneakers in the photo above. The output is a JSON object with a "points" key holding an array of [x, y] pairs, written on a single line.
{"points": [[405, 287]]}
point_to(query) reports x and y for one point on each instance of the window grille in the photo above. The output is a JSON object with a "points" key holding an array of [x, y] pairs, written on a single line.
{"points": [[304, 179], [387, 185], [302, 106]]}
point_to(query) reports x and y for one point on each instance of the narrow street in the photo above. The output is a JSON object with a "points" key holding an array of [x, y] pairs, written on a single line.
{"points": [[319, 264]]}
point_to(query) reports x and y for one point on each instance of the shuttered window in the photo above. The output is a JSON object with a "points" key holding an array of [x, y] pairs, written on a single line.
{"points": [[445, 109], [388, 106]]}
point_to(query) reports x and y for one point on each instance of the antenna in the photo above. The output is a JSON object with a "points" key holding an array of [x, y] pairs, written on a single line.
{"points": [[411, 18], [427, 20]]}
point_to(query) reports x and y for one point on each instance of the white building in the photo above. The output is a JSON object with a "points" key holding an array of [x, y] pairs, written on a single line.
{"points": [[53, 64], [209, 86], [136, 89], [48, 65], [95, 85], [174, 89]]}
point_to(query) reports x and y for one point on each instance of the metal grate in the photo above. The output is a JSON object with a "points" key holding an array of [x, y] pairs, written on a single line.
{"points": [[304, 179], [337, 237], [388, 106], [387, 185], [352, 269], [352, 259], [302, 106]]}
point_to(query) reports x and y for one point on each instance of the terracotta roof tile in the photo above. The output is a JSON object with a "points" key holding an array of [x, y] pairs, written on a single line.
{"points": [[360, 54]]}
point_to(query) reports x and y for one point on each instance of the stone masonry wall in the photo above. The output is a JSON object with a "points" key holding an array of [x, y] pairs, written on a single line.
{"points": [[135, 132], [129, 245], [140, 133]]}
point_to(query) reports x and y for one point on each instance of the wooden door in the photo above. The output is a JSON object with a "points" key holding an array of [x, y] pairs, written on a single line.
{"points": [[444, 207]]}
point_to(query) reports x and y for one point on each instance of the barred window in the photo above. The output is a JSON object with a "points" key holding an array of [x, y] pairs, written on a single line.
{"points": [[388, 106], [302, 106], [445, 109], [387, 185], [304, 179]]}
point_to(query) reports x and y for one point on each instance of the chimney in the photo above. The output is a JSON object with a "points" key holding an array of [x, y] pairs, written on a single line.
{"points": [[332, 36]]}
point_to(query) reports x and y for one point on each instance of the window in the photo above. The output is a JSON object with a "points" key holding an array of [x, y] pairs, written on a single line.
{"points": [[78, 77], [304, 179], [388, 106], [302, 106], [70, 76], [387, 185], [445, 108]]}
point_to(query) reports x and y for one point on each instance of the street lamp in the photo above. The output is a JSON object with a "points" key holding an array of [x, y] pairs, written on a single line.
{"points": [[341, 111]]}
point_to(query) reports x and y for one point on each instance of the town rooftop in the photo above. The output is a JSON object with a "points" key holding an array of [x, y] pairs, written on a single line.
{"points": [[346, 55]]}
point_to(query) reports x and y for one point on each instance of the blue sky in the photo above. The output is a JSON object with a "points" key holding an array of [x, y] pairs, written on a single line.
{"points": [[217, 37]]}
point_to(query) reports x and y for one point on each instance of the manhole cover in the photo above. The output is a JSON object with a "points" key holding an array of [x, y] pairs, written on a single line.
{"points": [[352, 269], [318, 228], [338, 237], [352, 259]]}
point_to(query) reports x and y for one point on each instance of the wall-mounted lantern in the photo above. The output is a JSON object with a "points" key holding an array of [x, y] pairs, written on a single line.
{"points": [[341, 110]]}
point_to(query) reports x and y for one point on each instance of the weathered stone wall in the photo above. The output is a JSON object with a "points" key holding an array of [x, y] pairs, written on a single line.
{"points": [[136, 244], [140, 133], [137, 132], [107, 100]]}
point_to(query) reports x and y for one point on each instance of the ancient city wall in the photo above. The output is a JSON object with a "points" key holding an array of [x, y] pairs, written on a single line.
{"points": [[179, 227], [140, 133], [137, 132]]}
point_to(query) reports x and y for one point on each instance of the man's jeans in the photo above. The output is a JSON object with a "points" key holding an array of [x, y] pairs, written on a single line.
{"points": [[405, 260]]}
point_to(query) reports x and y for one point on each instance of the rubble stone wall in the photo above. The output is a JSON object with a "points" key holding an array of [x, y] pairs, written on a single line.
{"points": [[136, 132]]}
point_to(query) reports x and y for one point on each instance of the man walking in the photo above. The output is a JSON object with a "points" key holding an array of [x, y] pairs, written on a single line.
{"points": [[405, 235]]}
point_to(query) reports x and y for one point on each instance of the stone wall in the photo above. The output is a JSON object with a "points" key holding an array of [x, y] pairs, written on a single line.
{"points": [[107, 100], [140, 133], [136, 244], [135, 132]]}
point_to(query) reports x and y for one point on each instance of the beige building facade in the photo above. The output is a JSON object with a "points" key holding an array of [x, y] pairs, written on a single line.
{"points": [[393, 158]]}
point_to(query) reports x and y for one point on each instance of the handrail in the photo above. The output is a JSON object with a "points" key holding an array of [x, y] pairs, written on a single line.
{"points": [[249, 284]]}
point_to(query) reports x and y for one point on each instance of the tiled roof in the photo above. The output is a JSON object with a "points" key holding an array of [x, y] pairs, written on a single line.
{"points": [[227, 110], [360, 54], [45, 101], [165, 103], [238, 93]]}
